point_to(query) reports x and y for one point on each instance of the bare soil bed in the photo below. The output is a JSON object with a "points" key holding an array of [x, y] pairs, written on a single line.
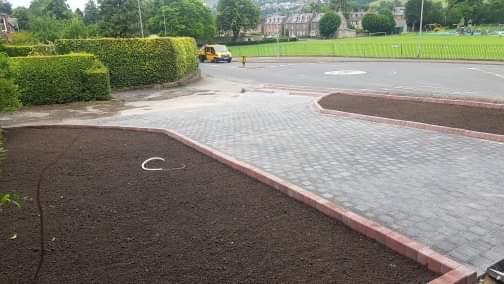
{"points": [[449, 115], [108, 221]]}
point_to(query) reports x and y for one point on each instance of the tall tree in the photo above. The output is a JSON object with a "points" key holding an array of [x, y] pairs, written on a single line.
{"points": [[78, 13], [23, 17], [412, 12], [5, 7], [46, 29], [184, 18], [58, 9], [119, 18], [329, 23], [235, 15], [91, 13]]}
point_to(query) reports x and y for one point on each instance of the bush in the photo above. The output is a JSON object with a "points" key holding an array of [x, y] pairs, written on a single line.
{"points": [[9, 93], [60, 79], [329, 23], [26, 50], [136, 62], [374, 23]]}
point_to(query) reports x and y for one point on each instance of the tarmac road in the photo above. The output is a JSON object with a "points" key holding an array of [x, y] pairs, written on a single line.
{"points": [[465, 80]]}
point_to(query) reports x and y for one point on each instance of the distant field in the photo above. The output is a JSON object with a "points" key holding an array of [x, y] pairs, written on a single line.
{"points": [[431, 47]]}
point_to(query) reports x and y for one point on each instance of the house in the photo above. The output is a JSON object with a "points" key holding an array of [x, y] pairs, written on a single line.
{"points": [[7, 24], [315, 25], [355, 19], [274, 25], [298, 25], [400, 19]]}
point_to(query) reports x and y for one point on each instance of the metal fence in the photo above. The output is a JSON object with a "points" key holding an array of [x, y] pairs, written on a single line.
{"points": [[378, 50]]}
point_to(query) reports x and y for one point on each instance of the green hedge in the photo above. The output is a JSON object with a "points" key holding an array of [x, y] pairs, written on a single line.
{"points": [[60, 79], [26, 50], [136, 62], [9, 93]]}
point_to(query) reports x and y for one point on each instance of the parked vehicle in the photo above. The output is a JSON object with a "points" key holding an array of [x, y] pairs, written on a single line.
{"points": [[215, 53]]}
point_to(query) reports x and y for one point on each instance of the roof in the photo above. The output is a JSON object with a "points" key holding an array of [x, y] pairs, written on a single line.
{"points": [[275, 19], [299, 18], [316, 18]]}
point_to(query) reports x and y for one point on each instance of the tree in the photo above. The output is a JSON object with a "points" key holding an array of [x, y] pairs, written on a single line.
{"points": [[23, 17], [235, 15], [412, 13], [78, 13], [375, 23], [5, 7], [329, 23], [46, 29], [58, 9], [184, 18], [119, 18], [91, 13], [75, 29]]}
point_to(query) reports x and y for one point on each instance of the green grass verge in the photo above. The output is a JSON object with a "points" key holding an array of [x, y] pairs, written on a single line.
{"points": [[406, 46]]}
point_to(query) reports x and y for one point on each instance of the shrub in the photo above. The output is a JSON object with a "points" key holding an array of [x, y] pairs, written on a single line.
{"points": [[329, 23], [8, 90], [374, 23], [25, 50], [60, 79], [136, 62]]}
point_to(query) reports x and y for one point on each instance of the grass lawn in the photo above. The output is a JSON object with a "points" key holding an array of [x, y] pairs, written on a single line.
{"points": [[404, 46]]}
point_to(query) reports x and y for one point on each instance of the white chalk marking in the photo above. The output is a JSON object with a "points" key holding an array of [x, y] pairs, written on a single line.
{"points": [[152, 159], [144, 167]]}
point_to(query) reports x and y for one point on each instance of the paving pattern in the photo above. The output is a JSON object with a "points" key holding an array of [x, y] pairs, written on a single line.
{"points": [[445, 191]]}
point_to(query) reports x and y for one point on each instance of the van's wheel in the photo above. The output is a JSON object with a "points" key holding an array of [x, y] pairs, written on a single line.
{"points": [[202, 59], [229, 60]]}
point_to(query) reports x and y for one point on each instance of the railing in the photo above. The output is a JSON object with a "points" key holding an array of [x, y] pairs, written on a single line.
{"points": [[378, 50]]}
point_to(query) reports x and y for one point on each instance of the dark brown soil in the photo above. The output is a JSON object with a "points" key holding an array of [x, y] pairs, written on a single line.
{"points": [[457, 116], [108, 221]]}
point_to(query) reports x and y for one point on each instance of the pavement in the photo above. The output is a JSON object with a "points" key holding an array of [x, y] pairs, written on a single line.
{"points": [[442, 190]]}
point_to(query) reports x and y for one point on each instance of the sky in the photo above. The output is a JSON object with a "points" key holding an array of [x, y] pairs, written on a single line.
{"points": [[74, 4]]}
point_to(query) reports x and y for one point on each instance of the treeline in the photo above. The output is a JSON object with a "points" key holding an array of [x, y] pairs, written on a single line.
{"points": [[456, 12], [48, 20]]}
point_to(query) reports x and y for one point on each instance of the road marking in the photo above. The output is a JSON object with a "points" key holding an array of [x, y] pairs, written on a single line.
{"points": [[345, 72], [486, 72]]}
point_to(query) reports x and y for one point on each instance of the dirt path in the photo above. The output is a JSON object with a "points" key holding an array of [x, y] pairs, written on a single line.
{"points": [[109, 221]]}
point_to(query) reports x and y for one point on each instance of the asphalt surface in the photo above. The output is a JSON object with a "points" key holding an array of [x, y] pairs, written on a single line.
{"points": [[464, 80]]}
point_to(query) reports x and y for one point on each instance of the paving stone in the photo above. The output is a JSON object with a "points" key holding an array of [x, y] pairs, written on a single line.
{"points": [[436, 188]]}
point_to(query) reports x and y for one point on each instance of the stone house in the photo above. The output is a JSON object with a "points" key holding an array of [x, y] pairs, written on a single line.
{"points": [[7, 24], [274, 25], [315, 25], [355, 19], [298, 25]]}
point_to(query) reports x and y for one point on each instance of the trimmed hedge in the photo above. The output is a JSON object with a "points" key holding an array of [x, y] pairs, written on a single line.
{"points": [[60, 79], [26, 50], [136, 62], [9, 94]]}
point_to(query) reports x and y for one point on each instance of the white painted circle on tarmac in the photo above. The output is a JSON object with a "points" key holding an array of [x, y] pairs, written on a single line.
{"points": [[345, 72]]}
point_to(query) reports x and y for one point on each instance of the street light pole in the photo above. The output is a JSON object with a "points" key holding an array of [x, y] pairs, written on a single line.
{"points": [[279, 27], [421, 25], [140, 16]]}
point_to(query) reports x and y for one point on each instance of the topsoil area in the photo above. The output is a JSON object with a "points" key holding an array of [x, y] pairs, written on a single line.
{"points": [[108, 221], [456, 116]]}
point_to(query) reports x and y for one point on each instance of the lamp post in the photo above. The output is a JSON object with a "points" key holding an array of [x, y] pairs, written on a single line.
{"points": [[421, 25], [278, 29], [140, 17]]}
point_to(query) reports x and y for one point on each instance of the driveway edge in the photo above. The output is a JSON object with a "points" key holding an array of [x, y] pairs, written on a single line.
{"points": [[420, 125], [451, 271]]}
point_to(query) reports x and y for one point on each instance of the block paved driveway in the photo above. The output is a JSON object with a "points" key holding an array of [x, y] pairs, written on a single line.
{"points": [[442, 190]]}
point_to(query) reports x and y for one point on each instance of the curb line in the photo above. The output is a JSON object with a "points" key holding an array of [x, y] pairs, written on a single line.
{"points": [[414, 124], [451, 271]]}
